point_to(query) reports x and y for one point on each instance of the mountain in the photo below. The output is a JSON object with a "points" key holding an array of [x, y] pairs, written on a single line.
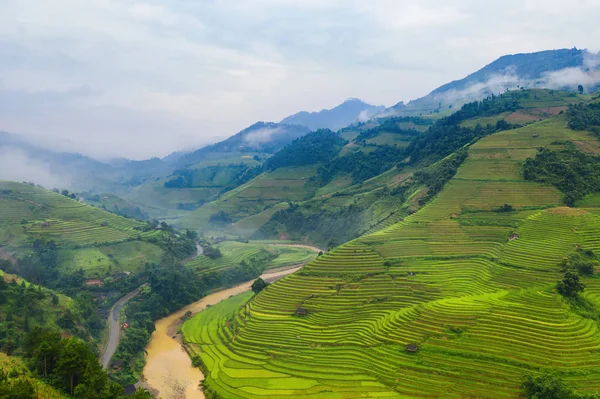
{"points": [[350, 111], [553, 69], [261, 137]]}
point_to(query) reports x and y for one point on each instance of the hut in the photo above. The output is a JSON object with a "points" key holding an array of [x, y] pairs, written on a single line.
{"points": [[94, 283], [411, 348], [301, 312], [117, 365]]}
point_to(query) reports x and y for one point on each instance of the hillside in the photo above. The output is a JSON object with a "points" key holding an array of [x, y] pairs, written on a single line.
{"points": [[326, 190], [262, 137], [350, 111], [457, 300], [82, 236], [550, 69]]}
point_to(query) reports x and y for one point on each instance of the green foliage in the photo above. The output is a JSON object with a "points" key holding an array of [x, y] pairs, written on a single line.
{"points": [[69, 365], [327, 226], [437, 175], [447, 136], [574, 173], [320, 146], [551, 386], [392, 125], [570, 286], [585, 262], [584, 117], [212, 252], [505, 208], [220, 218], [210, 176], [360, 165], [20, 389], [258, 285]]}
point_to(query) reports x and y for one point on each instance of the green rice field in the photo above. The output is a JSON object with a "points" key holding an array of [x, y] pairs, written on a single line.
{"points": [[473, 288]]}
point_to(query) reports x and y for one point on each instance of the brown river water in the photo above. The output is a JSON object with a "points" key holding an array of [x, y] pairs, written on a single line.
{"points": [[169, 371]]}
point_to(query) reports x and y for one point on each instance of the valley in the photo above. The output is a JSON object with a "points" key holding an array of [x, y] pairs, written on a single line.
{"points": [[444, 248]]}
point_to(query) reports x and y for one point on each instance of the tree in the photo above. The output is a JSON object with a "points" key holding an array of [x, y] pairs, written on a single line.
{"points": [[19, 389], [258, 285], [580, 89], [141, 393], [570, 286]]}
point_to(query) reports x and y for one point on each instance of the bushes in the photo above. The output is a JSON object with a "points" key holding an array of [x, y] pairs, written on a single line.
{"points": [[258, 285], [584, 117], [570, 286], [436, 176], [551, 386], [220, 218], [212, 252], [574, 173]]}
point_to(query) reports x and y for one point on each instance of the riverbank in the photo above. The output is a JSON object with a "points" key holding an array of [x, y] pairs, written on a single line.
{"points": [[169, 371]]}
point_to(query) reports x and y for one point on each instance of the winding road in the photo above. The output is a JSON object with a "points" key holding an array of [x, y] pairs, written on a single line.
{"points": [[114, 330]]}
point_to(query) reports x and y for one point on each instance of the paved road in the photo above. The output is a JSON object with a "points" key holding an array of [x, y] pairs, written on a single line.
{"points": [[114, 329]]}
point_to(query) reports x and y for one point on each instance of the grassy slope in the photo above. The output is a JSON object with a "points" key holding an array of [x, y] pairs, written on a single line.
{"points": [[29, 213], [256, 196], [481, 307], [234, 253]]}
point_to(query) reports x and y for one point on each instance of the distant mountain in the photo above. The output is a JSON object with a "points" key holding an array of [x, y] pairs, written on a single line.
{"points": [[352, 110], [552, 69], [262, 137]]}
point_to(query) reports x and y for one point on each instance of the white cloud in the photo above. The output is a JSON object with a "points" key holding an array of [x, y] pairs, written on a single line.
{"points": [[159, 75]]}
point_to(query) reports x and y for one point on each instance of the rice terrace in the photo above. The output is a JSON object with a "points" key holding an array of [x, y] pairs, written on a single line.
{"points": [[457, 300]]}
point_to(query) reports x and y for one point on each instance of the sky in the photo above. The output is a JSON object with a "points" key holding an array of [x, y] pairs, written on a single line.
{"points": [[136, 79]]}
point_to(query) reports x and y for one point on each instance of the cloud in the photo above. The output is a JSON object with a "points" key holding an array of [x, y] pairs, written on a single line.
{"points": [[261, 136], [138, 78], [16, 165]]}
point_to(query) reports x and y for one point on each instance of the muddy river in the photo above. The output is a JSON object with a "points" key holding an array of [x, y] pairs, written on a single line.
{"points": [[169, 371]]}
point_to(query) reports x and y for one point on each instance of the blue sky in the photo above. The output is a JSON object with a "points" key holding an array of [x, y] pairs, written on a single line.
{"points": [[142, 78]]}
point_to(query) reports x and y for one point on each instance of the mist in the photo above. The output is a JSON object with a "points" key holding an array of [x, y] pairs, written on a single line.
{"points": [[17, 165], [261, 136]]}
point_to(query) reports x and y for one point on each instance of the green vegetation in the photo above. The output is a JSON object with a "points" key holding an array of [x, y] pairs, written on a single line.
{"points": [[473, 287], [550, 386], [112, 203], [258, 285], [313, 148], [585, 117], [359, 165], [574, 173]]}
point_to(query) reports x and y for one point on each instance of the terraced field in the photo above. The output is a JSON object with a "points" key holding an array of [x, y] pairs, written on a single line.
{"points": [[257, 197], [473, 288], [88, 238], [238, 253], [48, 214]]}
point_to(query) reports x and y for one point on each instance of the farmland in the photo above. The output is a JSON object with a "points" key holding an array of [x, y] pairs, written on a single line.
{"points": [[238, 253], [472, 287], [88, 238]]}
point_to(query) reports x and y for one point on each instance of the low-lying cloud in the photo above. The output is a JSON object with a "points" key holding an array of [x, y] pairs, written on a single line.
{"points": [[261, 136], [17, 165]]}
